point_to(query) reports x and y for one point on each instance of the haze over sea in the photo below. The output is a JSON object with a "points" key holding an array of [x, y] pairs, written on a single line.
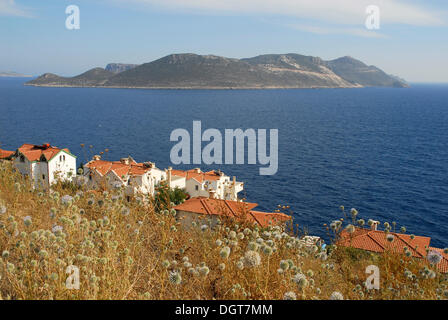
{"points": [[383, 151]]}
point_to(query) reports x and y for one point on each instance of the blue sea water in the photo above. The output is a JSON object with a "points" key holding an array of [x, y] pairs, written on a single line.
{"points": [[383, 151]]}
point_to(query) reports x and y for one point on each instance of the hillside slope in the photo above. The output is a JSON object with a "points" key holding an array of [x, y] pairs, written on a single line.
{"points": [[93, 77]]}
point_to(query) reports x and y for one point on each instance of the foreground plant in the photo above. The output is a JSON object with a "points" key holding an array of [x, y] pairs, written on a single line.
{"points": [[117, 249]]}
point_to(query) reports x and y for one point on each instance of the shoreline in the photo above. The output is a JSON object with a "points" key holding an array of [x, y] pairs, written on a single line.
{"points": [[189, 88]]}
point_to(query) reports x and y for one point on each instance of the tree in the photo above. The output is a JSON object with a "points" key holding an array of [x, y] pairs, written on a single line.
{"points": [[165, 196]]}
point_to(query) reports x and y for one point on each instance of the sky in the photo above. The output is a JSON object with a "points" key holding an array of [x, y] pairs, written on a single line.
{"points": [[411, 42]]}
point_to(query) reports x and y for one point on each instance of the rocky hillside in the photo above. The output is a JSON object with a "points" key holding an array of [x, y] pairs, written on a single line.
{"points": [[93, 77], [191, 71], [120, 67], [357, 72]]}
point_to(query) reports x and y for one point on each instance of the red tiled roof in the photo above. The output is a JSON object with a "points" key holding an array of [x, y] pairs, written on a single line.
{"points": [[4, 154], [265, 219], [179, 173], [443, 265], [375, 241], [204, 205], [120, 168], [193, 174], [232, 209], [34, 152]]}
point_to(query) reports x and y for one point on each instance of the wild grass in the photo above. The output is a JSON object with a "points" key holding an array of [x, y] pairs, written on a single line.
{"points": [[129, 250]]}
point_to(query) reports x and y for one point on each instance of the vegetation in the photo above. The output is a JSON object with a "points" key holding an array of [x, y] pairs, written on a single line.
{"points": [[166, 196], [129, 250]]}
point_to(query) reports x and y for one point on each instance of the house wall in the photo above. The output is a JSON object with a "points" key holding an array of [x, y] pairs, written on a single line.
{"points": [[149, 181], [64, 169], [142, 183], [179, 182], [33, 170], [218, 186], [213, 185], [223, 188], [40, 175], [239, 187], [230, 192], [158, 176], [190, 188], [110, 180], [186, 219], [93, 178], [138, 184], [23, 167]]}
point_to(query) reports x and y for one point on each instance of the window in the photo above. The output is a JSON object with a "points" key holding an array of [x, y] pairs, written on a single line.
{"points": [[22, 158], [196, 187], [43, 177]]}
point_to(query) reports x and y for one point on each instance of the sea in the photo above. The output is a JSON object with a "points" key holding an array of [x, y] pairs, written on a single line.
{"points": [[383, 151]]}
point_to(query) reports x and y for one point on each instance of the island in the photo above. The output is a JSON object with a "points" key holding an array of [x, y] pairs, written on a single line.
{"points": [[193, 71]]}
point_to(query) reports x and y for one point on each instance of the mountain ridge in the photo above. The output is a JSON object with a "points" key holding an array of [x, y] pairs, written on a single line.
{"points": [[192, 71]]}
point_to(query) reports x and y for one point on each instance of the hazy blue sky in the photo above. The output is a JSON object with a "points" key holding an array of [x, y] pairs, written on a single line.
{"points": [[412, 41]]}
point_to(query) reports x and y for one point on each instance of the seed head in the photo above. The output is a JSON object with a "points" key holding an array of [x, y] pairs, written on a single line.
{"points": [[300, 280], [251, 259], [350, 228], [225, 252], [434, 257], [336, 296], [390, 237], [174, 277], [290, 295], [284, 265]]}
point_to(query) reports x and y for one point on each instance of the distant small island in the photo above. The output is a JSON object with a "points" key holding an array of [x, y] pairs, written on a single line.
{"points": [[14, 74], [192, 71]]}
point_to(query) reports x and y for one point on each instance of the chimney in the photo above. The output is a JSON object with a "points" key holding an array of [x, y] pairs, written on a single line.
{"points": [[233, 188], [169, 176], [212, 194], [374, 225], [96, 157], [197, 170], [124, 160]]}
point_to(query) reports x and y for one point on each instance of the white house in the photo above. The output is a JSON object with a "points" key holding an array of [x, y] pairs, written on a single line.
{"points": [[127, 173], [45, 164], [211, 184], [145, 177]]}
